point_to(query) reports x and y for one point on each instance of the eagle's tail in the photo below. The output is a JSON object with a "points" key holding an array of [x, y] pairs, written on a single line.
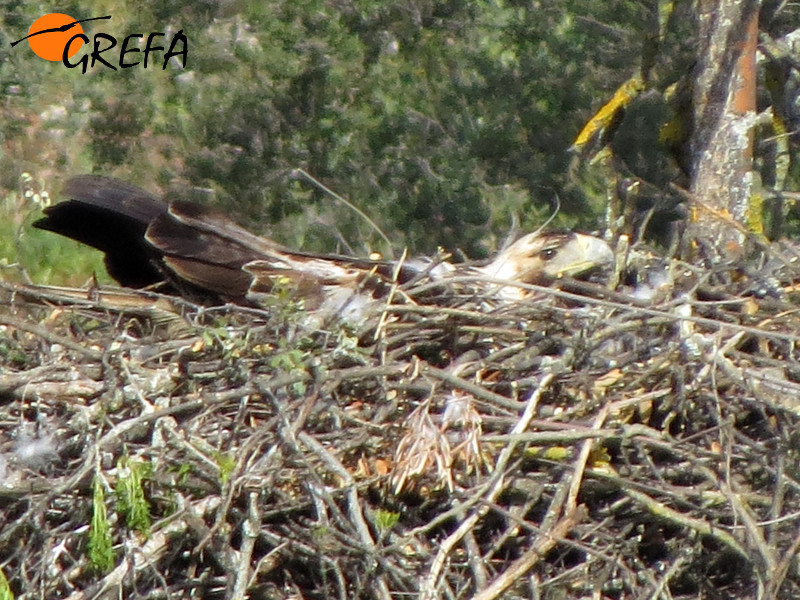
{"points": [[193, 249], [113, 217]]}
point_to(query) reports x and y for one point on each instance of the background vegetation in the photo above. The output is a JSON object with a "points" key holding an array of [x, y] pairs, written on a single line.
{"points": [[448, 122]]}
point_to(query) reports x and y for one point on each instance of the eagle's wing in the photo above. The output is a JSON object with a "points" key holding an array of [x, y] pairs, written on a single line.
{"points": [[327, 287], [207, 249]]}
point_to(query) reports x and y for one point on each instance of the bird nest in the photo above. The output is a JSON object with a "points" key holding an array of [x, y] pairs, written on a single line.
{"points": [[596, 441]]}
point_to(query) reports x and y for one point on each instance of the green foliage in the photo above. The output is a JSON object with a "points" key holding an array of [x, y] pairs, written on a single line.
{"points": [[5, 588], [45, 257], [11, 354], [385, 520], [226, 464], [421, 116], [285, 301], [101, 552], [219, 336], [131, 501], [182, 473], [288, 358], [347, 349]]}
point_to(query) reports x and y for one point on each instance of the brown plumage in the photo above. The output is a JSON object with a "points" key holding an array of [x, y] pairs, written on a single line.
{"points": [[200, 253]]}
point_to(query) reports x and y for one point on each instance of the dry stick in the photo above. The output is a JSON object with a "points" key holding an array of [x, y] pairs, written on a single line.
{"points": [[48, 335], [229, 489], [379, 337], [633, 307], [456, 512], [348, 204], [514, 522], [556, 507], [381, 326], [250, 529], [553, 437], [663, 511], [472, 388], [719, 359], [754, 530], [475, 560], [429, 585], [245, 452], [661, 590], [113, 435], [62, 385], [445, 311], [524, 563], [274, 383], [269, 562], [779, 574], [580, 463], [353, 504], [778, 497]]}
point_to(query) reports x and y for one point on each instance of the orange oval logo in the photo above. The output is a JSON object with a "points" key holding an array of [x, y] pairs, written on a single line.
{"points": [[50, 45]]}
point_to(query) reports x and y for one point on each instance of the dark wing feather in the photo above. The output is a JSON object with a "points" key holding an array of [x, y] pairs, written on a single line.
{"points": [[223, 281], [209, 220], [207, 249], [111, 216], [171, 237]]}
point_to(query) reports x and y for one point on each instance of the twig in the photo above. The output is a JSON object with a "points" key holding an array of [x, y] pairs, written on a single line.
{"points": [[546, 542], [250, 528], [778, 575], [702, 527], [634, 307], [145, 556], [349, 205], [47, 334], [429, 583], [472, 388], [353, 502], [580, 463]]}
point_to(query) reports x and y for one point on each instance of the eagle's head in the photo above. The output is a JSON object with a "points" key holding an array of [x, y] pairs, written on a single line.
{"points": [[541, 258]]}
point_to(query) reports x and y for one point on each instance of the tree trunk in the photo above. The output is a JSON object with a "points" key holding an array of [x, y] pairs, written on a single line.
{"points": [[724, 116]]}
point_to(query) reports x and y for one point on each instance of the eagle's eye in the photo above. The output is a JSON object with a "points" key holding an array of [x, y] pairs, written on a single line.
{"points": [[548, 253]]}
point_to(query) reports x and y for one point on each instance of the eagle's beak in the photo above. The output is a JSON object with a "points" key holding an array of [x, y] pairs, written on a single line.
{"points": [[581, 254]]}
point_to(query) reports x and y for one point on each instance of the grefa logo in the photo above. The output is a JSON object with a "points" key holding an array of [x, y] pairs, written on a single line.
{"points": [[59, 37]]}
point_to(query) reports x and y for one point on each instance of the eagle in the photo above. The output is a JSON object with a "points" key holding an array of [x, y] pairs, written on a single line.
{"points": [[194, 251]]}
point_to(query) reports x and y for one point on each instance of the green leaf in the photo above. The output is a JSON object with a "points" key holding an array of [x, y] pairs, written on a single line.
{"points": [[131, 501], [5, 588], [101, 552]]}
